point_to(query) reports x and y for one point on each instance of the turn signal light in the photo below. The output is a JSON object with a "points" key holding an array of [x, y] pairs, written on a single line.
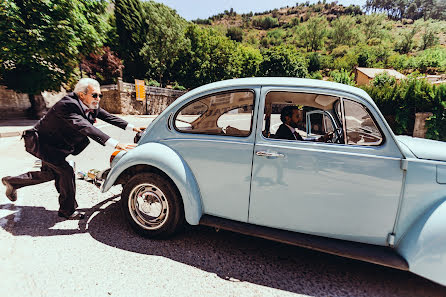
{"points": [[113, 156]]}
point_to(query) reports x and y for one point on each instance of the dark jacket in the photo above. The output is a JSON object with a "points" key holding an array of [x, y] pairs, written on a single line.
{"points": [[285, 133], [65, 129]]}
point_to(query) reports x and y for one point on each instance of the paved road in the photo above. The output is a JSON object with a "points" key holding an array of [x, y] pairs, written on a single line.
{"points": [[42, 255]]}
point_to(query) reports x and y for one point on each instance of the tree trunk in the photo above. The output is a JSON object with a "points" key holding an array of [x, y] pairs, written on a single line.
{"points": [[38, 106]]}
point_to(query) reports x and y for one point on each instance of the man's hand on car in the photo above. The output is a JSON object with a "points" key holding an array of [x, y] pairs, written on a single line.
{"points": [[125, 147], [139, 129]]}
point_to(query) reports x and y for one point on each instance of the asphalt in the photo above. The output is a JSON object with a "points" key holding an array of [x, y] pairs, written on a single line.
{"points": [[15, 127]]}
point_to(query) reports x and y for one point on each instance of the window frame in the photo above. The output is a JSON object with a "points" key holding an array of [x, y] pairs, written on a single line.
{"points": [[215, 94], [344, 123], [338, 121]]}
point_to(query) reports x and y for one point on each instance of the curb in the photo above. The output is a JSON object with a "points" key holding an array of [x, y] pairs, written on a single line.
{"points": [[10, 134]]}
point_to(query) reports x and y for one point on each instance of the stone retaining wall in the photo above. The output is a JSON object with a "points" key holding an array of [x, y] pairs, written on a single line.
{"points": [[12, 104], [121, 98]]}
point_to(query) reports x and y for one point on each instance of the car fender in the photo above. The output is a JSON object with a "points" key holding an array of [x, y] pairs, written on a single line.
{"points": [[424, 244], [167, 160]]}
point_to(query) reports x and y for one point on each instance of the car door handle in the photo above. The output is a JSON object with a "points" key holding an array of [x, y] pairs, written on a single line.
{"points": [[270, 154]]}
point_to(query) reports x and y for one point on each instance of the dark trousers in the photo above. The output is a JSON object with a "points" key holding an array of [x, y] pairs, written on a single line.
{"points": [[62, 174]]}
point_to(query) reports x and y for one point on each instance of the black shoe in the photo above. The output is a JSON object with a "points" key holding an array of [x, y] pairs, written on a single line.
{"points": [[76, 215], [11, 193]]}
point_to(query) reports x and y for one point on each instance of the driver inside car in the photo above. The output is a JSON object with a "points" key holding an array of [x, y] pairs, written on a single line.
{"points": [[292, 118]]}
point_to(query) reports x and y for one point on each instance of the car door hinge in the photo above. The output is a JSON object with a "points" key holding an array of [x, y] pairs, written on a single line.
{"points": [[404, 164], [391, 239]]}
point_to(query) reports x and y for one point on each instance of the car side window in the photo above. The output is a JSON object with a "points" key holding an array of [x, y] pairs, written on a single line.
{"points": [[360, 126], [228, 114], [301, 116]]}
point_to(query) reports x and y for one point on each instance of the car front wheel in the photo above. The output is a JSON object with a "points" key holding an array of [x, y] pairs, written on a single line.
{"points": [[152, 205]]}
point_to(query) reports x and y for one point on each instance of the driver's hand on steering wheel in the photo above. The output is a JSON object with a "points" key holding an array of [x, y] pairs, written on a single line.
{"points": [[328, 136]]}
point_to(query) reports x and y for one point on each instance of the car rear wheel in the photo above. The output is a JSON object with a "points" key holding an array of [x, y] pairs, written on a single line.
{"points": [[152, 205]]}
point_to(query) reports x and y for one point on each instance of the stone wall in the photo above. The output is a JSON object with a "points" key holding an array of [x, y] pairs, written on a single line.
{"points": [[12, 104], [15, 105], [121, 99]]}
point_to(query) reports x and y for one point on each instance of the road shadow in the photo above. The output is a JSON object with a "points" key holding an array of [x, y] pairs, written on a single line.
{"points": [[233, 257], [239, 258], [17, 122]]}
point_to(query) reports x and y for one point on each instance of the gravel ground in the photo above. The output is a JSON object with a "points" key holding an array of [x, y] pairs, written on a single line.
{"points": [[43, 255]]}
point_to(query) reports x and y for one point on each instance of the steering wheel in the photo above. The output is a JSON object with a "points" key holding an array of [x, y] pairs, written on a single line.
{"points": [[331, 137], [334, 136], [338, 135]]}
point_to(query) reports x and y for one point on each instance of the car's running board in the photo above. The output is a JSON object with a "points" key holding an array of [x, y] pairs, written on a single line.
{"points": [[360, 251]]}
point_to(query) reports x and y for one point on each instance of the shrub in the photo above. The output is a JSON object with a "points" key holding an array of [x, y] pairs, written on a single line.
{"points": [[235, 33], [176, 86], [432, 58], [401, 101], [265, 23], [348, 62], [295, 21], [342, 76], [340, 51], [436, 125], [383, 79], [152, 83], [327, 62], [315, 75], [314, 64], [202, 21]]}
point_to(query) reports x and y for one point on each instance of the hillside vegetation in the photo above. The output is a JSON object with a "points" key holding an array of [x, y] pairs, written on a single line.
{"points": [[332, 36]]}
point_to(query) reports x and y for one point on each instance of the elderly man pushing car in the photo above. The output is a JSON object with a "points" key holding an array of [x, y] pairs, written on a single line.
{"points": [[65, 130]]}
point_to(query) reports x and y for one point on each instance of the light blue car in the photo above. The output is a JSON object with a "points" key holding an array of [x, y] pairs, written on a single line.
{"points": [[340, 182]]}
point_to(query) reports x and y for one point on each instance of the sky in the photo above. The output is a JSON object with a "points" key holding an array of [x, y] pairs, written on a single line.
{"points": [[193, 9]]}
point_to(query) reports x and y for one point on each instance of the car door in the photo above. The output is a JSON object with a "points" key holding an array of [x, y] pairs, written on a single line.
{"points": [[215, 136], [346, 191]]}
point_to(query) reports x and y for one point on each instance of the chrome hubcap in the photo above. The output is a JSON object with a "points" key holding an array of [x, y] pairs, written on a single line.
{"points": [[148, 206]]}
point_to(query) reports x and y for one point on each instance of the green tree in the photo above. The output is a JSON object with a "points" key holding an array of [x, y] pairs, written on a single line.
{"points": [[373, 26], [343, 31], [164, 39], [314, 32], [429, 34], [207, 57], [41, 42], [246, 61], [283, 61], [406, 44], [131, 29]]}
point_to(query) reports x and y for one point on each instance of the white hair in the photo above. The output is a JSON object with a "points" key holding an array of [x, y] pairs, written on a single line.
{"points": [[83, 83]]}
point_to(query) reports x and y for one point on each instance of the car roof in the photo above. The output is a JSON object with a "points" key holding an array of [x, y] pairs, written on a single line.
{"points": [[278, 81]]}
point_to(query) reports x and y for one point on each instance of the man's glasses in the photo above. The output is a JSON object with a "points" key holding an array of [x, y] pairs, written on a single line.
{"points": [[96, 95]]}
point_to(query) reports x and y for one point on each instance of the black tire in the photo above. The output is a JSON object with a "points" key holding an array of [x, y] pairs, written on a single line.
{"points": [[152, 205]]}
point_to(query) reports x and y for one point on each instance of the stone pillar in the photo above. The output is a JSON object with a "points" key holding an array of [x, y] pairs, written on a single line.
{"points": [[420, 129], [120, 85]]}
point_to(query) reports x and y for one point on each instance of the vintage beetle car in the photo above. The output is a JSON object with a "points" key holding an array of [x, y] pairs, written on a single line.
{"points": [[212, 158]]}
